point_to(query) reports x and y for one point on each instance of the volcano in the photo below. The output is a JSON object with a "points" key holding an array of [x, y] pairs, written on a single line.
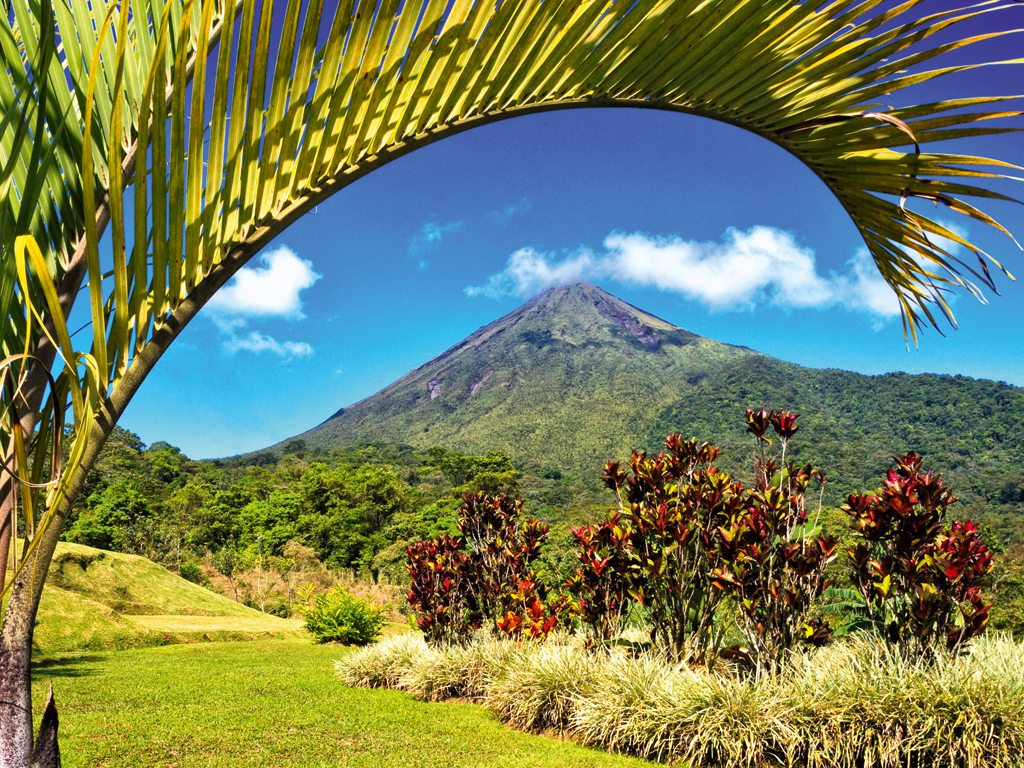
{"points": [[575, 375]]}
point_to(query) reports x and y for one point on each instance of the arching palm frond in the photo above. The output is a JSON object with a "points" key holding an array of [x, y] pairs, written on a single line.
{"points": [[223, 146], [194, 153]]}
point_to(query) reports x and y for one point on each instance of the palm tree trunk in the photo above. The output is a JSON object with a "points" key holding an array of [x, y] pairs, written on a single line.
{"points": [[6, 502], [16, 740], [16, 680]]}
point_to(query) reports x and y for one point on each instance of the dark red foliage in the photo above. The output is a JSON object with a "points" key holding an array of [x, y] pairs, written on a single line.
{"points": [[656, 551], [439, 593], [771, 560], [784, 423], [920, 582], [689, 535], [603, 581], [757, 423], [483, 577]]}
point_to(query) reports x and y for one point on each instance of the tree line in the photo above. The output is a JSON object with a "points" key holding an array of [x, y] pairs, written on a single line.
{"points": [[359, 508]]}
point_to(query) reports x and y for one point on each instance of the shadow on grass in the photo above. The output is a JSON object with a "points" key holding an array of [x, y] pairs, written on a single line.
{"points": [[78, 665]]}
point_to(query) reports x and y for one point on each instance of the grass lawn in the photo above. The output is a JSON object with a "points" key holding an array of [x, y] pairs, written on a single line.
{"points": [[211, 624], [273, 702]]}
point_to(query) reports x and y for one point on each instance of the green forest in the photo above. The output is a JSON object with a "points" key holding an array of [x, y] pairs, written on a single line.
{"points": [[357, 509], [968, 429]]}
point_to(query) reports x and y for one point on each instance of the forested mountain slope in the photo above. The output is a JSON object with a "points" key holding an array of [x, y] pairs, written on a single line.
{"points": [[851, 425], [576, 377]]}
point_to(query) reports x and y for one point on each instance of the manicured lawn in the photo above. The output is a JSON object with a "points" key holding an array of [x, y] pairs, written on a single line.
{"points": [[270, 702]]}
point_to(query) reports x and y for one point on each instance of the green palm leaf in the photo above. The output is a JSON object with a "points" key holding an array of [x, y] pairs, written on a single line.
{"points": [[222, 146]]}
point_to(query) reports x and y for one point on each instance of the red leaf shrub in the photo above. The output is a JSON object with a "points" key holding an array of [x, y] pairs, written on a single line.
{"points": [[483, 576], [603, 581], [673, 504], [921, 582], [440, 593]]}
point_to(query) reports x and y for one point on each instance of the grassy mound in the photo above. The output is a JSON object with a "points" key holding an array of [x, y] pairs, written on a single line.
{"points": [[105, 600], [133, 585]]}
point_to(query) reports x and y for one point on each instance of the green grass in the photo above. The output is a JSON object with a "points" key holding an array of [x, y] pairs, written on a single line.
{"points": [[134, 585], [98, 600], [271, 703], [257, 623]]}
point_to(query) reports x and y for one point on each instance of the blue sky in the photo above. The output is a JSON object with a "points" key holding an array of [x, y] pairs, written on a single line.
{"points": [[750, 248]]}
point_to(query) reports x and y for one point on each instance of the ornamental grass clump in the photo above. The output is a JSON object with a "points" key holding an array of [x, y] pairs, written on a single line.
{"points": [[459, 671], [641, 705], [383, 664], [863, 703], [852, 704], [540, 688]]}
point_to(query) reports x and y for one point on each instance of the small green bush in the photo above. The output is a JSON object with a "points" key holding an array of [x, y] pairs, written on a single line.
{"points": [[338, 617], [192, 572]]}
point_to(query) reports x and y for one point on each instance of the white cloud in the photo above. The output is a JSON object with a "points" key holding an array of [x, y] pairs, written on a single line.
{"points": [[268, 291], [529, 271], [256, 342], [228, 325], [271, 290], [762, 266]]}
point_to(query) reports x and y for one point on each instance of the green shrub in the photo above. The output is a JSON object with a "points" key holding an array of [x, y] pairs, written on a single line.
{"points": [[192, 572], [338, 617]]}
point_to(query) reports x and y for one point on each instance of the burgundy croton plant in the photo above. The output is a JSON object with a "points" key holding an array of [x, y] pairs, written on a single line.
{"points": [[603, 584], [687, 536], [773, 560], [670, 507], [439, 593], [920, 581], [483, 576]]}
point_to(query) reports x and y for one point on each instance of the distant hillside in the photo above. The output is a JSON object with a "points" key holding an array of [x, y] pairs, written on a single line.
{"points": [[577, 377], [971, 430]]}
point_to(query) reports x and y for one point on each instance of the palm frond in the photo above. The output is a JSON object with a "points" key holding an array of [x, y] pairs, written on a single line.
{"points": [[222, 146]]}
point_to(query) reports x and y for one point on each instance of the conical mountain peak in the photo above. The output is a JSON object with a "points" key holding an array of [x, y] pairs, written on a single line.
{"points": [[587, 307], [575, 314], [573, 367]]}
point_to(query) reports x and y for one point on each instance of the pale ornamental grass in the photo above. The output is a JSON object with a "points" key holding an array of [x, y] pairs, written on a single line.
{"points": [[855, 704]]}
